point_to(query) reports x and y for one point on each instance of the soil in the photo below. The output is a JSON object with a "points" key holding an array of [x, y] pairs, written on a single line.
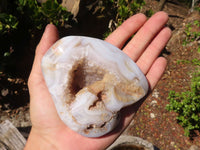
{"points": [[152, 121]]}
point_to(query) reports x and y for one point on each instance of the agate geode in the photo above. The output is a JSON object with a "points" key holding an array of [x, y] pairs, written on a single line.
{"points": [[90, 81]]}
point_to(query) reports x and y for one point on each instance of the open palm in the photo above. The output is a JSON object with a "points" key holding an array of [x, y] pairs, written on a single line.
{"points": [[48, 131]]}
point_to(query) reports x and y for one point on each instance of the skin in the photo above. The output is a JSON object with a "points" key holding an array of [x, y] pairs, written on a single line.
{"points": [[48, 131]]}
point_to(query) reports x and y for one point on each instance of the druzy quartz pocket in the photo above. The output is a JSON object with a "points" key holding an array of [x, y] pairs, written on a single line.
{"points": [[90, 81]]}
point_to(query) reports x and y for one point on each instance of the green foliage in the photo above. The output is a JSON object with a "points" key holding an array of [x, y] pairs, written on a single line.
{"points": [[126, 8], [187, 105], [194, 61], [49, 12], [121, 10], [21, 20], [197, 8], [52, 12], [8, 23], [191, 34], [32, 15], [149, 13]]}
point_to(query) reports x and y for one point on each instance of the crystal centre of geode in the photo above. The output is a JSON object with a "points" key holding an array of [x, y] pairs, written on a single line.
{"points": [[81, 76]]}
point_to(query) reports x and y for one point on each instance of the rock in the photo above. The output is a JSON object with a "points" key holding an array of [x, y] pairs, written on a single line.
{"points": [[155, 93], [152, 115], [172, 143], [153, 102], [194, 147], [70, 5], [4, 92]]}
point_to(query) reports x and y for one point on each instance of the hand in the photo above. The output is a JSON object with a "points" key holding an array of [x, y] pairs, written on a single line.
{"points": [[48, 131]]}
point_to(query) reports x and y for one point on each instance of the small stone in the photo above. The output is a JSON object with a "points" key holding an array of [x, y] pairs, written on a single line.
{"points": [[172, 143], [155, 93], [194, 147], [25, 124], [153, 103], [6, 106], [4, 92], [7, 111], [152, 115], [10, 80]]}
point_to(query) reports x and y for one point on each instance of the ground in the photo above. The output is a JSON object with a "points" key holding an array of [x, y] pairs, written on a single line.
{"points": [[152, 121]]}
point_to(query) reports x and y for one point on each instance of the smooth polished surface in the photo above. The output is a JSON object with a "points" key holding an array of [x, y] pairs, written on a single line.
{"points": [[90, 81]]}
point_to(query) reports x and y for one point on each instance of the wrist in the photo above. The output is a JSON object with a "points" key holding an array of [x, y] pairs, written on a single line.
{"points": [[39, 142]]}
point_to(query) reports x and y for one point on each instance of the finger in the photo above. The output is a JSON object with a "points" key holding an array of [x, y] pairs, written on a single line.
{"points": [[126, 30], [153, 50], [156, 71], [145, 35]]}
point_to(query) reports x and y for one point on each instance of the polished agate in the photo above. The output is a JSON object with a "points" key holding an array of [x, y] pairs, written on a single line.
{"points": [[90, 81]]}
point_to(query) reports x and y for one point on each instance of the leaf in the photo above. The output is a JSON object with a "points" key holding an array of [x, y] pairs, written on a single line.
{"points": [[1, 26], [187, 104], [22, 2], [6, 54], [198, 49]]}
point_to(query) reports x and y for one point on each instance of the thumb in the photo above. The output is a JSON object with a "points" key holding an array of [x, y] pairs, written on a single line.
{"points": [[42, 109], [50, 36]]}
